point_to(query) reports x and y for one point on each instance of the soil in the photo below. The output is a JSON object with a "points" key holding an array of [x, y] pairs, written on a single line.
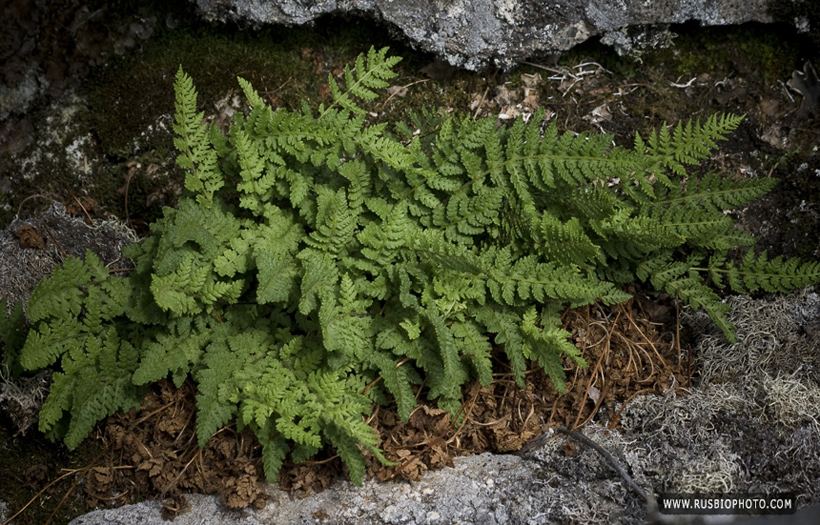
{"points": [[88, 125]]}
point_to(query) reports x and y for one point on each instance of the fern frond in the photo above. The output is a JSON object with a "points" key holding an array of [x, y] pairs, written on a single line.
{"points": [[274, 256], [381, 242], [713, 193], [197, 156], [454, 375], [506, 326], [476, 347], [467, 214], [562, 242], [335, 222], [257, 182], [689, 143], [320, 276], [632, 237], [174, 350], [100, 385], [370, 73], [68, 307], [546, 345], [758, 272], [681, 279]]}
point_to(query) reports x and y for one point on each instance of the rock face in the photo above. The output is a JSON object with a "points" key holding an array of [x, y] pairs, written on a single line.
{"points": [[475, 33]]}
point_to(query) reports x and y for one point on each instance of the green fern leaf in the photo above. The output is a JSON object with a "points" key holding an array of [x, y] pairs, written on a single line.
{"points": [[197, 156], [370, 73], [342, 266]]}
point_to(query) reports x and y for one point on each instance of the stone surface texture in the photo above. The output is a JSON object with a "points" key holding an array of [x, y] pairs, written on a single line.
{"points": [[476, 33]]}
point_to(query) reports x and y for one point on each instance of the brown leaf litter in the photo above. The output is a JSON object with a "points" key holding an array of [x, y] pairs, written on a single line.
{"points": [[152, 452]]}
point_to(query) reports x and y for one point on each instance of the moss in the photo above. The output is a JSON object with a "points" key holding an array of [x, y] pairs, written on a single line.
{"points": [[769, 51], [28, 465], [288, 64]]}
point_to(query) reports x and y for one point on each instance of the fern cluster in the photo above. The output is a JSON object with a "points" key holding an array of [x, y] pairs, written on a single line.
{"points": [[319, 263]]}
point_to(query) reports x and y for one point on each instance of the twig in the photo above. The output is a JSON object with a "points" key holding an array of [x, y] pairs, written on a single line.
{"points": [[558, 71], [591, 63], [90, 220], [677, 328], [404, 87], [175, 482], [65, 496], [786, 90], [82, 471], [481, 101], [56, 242], [157, 411], [632, 321], [32, 500], [651, 505], [376, 381], [594, 373], [37, 195], [596, 407], [321, 462], [681, 86]]}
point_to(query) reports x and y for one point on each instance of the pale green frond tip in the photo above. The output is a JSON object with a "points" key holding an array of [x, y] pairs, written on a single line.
{"points": [[316, 265], [371, 72]]}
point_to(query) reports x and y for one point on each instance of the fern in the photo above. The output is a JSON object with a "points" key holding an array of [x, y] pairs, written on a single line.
{"points": [[758, 272], [197, 155], [316, 265], [371, 72], [688, 144]]}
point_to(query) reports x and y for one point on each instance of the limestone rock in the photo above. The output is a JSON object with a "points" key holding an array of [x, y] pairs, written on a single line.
{"points": [[475, 33]]}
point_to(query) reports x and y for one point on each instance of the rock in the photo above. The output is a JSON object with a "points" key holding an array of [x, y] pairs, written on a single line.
{"points": [[19, 98], [31, 248], [475, 33]]}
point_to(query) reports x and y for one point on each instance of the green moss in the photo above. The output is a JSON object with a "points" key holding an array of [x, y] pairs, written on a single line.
{"points": [[751, 49], [289, 64], [28, 464]]}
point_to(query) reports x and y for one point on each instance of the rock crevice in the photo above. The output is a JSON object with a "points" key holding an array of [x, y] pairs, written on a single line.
{"points": [[476, 33]]}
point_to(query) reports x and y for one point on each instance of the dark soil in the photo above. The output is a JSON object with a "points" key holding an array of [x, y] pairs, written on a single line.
{"points": [[94, 134]]}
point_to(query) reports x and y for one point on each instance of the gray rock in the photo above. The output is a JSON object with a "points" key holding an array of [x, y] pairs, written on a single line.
{"points": [[4, 512], [19, 98], [475, 33]]}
